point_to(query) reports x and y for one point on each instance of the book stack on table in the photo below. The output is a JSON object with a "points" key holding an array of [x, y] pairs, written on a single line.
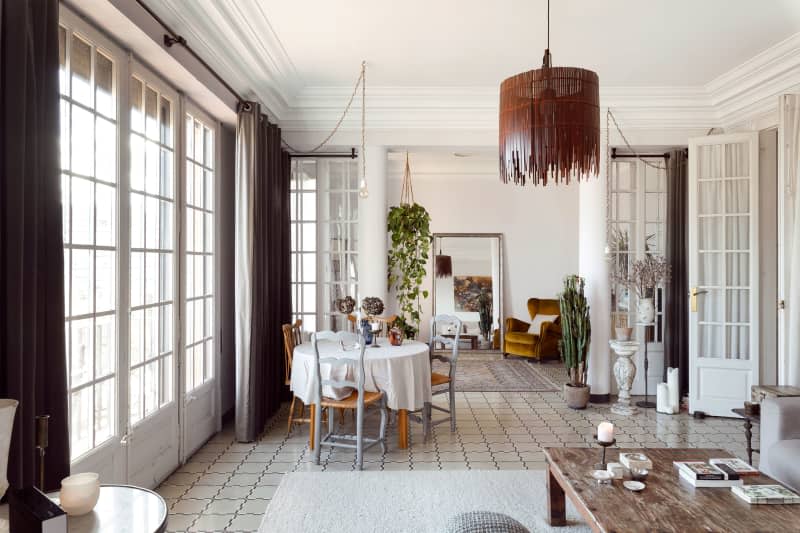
{"points": [[766, 494], [727, 472]]}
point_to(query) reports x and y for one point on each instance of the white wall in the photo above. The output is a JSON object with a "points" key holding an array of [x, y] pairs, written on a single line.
{"points": [[465, 195]]}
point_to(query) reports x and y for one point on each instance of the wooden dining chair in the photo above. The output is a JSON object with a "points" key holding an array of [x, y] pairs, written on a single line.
{"points": [[292, 336], [437, 323], [358, 400]]}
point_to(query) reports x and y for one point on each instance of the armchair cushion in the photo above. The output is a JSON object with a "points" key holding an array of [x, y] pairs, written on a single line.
{"points": [[538, 320]]}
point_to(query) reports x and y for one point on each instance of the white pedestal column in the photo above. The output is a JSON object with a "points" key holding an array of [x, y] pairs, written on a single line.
{"points": [[372, 236], [593, 266]]}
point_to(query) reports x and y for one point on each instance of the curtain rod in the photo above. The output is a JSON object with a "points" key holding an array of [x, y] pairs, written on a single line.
{"points": [[665, 155], [171, 38], [351, 154]]}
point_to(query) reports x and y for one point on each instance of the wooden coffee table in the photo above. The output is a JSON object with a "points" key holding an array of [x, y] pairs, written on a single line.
{"points": [[667, 504]]}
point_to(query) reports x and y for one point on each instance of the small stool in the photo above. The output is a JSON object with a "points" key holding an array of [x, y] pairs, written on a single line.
{"points": [[484, 522]]}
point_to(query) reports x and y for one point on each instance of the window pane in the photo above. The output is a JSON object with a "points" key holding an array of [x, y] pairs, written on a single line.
{"points": [[82, 282], [150, 332], [166, 121], [165, 225], [104, 85], [106, 150], [137, 162], [151, 278], [137, 105], [165, 325], [208, 144], [82, 141], [62, 60], [81, 409], [151, 113], [165, 275], [106, 215], [82, 211], [81, 66], [81, 352], [166, 173], [151, 223], [151, 381], [64, 140], [136, 407], [137, 336], [152, 169], [106, 281], [104, 407]]}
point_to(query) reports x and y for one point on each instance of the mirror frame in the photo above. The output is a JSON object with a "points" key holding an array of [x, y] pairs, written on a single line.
{"points": [[500, 251]]}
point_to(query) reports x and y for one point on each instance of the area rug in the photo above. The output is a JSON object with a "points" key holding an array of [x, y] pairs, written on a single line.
{"points": [[492, 373], [408, 501]]}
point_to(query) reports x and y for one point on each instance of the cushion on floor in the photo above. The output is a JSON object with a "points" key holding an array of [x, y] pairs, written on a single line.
{"points": [[484, 522]]}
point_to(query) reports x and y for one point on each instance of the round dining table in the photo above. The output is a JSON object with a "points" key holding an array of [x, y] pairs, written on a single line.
{"points": [[402, 372]]}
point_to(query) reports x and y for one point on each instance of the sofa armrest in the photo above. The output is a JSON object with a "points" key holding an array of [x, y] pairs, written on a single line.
{"points": [[780, 420], [550, 329], [515, 324]]}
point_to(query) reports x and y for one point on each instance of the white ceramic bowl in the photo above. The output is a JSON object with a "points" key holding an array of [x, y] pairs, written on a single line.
{"points": [[79, 493]]}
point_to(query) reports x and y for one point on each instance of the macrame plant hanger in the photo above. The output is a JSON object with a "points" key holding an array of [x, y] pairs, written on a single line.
{"points": [[407, 190]]}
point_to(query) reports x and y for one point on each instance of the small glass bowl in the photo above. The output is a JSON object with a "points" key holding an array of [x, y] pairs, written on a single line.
{"points": [[639, 474], [603, 477]]}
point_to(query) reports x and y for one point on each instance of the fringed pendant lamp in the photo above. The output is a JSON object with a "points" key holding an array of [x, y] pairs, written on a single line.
{"points": [[443, 264], [549, 123]]}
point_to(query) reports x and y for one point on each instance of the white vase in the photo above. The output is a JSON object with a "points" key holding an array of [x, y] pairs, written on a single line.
{"points": [[646, 311], [624, 372], [7, 410]]}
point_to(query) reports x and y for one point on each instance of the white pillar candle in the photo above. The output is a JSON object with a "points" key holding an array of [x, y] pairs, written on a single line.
{"points": [[605, 432], [662, 399]]}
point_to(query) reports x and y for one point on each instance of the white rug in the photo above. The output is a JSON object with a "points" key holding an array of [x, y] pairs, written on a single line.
{"points": [[407, 501]]}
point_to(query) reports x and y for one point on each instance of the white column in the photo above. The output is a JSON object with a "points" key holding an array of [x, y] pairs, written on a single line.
{"points": [[593, 266], [372, 236]]}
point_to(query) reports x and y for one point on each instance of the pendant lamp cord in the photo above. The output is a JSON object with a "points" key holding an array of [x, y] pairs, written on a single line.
{"points": [[548, 24]]}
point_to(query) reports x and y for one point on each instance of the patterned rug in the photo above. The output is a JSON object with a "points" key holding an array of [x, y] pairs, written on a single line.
{"points": [[481, 372]]}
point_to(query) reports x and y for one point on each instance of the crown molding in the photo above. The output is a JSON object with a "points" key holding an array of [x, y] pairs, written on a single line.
{"points": [[208, 27]]}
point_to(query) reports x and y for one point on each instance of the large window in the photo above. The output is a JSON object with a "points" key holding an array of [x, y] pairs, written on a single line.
{"points": [[638, 226], [138, 197], [89, 196], [152, 216], [199, 257], [324, 214]]}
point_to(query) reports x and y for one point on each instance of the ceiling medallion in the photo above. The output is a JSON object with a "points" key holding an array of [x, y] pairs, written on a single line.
{"points": [[549, 123]]}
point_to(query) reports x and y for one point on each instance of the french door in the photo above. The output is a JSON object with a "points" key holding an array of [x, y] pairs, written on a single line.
{"points": [[723, 271], [138, 179]]}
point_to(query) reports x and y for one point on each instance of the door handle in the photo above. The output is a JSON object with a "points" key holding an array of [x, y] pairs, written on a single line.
{"points": [[693, 297]]}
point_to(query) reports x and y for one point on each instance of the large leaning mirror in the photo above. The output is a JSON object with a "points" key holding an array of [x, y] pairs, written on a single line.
{"points": [[468, 283]]}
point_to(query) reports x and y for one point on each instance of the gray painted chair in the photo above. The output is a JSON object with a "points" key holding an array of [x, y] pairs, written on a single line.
{"points": [[358, 400], [437, 323]]}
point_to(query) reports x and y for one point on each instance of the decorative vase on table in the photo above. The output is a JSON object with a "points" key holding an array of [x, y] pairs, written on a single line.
{"points": [[624, 372], [646, 311], [366, 331], [7, 410]]}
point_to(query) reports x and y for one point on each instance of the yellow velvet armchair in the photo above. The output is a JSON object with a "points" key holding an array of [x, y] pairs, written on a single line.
{"points": [[544, 343]]}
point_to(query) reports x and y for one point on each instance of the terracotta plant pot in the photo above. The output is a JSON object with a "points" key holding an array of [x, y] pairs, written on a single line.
{"points": [[623, 334], [576, 397]]}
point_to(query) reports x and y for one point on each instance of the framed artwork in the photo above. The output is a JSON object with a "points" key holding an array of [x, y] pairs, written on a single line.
{"points": [[467, 289]]}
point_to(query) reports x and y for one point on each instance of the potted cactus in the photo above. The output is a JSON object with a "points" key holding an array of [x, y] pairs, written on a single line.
{"points": [[576, 331]]}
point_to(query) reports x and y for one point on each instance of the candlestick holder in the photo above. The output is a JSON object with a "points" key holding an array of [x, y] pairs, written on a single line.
{"points": [[603, 465]]}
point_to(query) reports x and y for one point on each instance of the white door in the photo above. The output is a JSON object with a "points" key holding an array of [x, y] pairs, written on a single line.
{"points": [[723, 271], [201, 417], [153, 437]]}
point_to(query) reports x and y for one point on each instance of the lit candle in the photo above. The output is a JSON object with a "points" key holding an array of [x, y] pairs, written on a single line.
{"points": [[605, 432]]}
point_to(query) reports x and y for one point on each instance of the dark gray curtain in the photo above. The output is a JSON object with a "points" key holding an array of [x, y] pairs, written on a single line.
{"points": [[263, 276], [32, 353], [676, 335]]}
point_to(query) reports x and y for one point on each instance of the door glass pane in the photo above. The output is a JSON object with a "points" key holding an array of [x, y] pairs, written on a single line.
{"points": [[710, 341], [737, 160], [104, 85]]}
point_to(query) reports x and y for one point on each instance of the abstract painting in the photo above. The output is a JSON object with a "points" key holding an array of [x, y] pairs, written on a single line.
{"points": [[467, 289]]}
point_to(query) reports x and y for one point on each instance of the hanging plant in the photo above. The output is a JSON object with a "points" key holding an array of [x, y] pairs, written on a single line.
{"points": [[409, 228]]}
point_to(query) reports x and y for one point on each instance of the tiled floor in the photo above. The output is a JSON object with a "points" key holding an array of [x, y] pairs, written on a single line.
{"points": [[227, 485]]}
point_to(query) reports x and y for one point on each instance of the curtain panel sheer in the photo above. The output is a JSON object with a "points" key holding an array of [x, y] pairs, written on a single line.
{"points": [[32, 350], [676, 335], [263, 270]]}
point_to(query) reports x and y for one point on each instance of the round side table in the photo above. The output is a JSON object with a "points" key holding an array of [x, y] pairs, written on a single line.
{"points": [[119, 509]]}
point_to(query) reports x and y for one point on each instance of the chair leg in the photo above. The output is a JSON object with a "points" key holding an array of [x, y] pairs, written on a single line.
{"points": [[331, 422], [426, 420], [316, 411], [291, 415], [452, 408], [360, 438], [384, 416]]}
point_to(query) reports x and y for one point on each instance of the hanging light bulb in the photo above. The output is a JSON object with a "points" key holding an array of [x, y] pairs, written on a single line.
{"points": [[363, 192]]}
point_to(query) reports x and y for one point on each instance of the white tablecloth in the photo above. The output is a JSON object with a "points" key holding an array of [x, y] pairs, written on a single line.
{"points": [[402, 372]]}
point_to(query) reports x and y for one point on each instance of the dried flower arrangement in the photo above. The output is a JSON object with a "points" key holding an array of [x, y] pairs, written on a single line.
{"points": [[644, 275], [372, 305]]}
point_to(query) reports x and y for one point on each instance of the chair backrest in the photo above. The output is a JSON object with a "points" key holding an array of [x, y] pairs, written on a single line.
{"points": [[348, 342], [540, 306], [437, 322], [292, 336]]}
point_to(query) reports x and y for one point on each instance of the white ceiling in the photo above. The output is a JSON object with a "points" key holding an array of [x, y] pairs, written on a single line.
{"points": [[479, 43]]}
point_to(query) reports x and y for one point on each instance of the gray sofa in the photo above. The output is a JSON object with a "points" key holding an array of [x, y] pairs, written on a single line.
{"points": [[780, 440]]}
